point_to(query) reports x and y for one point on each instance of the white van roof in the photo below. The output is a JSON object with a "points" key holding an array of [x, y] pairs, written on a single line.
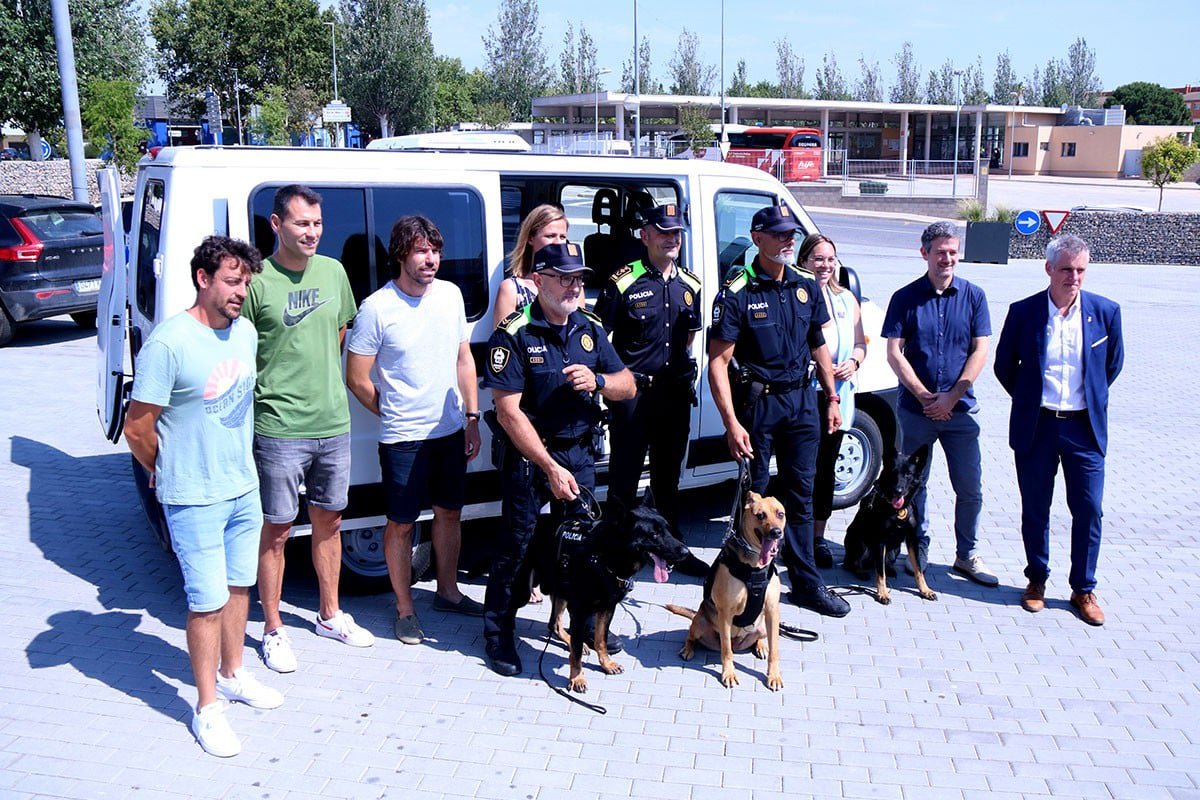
{"points": [[490, 141]]}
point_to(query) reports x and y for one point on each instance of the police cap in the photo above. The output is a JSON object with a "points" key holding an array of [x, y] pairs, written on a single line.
{"points": [[666, 217], [774, 219], [566, 258]]}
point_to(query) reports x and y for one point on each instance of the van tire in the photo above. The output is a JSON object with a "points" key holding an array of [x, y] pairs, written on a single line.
{"points": [[84, 319], [6, 327], [151, 507], [859, 461], [364, 568]]}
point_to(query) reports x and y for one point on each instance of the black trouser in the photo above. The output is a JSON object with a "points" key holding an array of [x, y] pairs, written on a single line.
{"points": [[827, 456], [786, 424], [657, 420], [525, 489]]}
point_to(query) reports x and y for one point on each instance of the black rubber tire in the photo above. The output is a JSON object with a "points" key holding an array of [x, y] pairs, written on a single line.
{"points": [[6, 327], [364, 569], [84, 319], [862, 452]]}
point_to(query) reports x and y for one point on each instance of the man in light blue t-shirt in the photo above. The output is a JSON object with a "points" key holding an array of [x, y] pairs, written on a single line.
{"points": [[191, 425], [412, 335]]}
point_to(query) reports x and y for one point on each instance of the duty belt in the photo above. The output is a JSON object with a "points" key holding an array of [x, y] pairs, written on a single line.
{"points": [[565, 442], [781, 387]]}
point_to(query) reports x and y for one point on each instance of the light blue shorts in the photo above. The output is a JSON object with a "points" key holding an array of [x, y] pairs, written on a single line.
{"points": [[217, 547]]}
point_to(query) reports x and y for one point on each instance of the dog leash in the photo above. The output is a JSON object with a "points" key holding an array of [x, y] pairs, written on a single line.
{"points": [[733, 533], [850, 589], [599, 709]]}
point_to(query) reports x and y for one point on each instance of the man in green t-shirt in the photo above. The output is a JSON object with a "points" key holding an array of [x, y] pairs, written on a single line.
{"points": [[300, 305]]}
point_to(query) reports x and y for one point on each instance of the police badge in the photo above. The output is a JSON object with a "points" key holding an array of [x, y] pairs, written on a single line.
{"points": [[586, 343], [498, 359], [801, 295]]}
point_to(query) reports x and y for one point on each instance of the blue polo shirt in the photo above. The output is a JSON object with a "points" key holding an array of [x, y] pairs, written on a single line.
{"points": [[937, 330]]}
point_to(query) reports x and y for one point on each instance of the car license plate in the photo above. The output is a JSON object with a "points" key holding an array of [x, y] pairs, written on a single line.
{"points": [[83, 287]]}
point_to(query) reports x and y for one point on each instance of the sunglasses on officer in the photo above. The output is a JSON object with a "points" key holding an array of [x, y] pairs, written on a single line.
{"points": [[565, 281]]}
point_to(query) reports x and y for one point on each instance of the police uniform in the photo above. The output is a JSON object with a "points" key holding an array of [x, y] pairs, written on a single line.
{"points": [[527, 354], [775, 326], [651, 319]]}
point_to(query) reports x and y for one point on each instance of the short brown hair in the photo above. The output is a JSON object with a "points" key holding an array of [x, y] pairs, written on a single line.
{"points": [[285, 194], [215, 249], [406, 233]]}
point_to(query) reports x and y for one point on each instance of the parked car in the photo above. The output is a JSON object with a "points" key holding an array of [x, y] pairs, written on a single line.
{"points": [[51, 257]]}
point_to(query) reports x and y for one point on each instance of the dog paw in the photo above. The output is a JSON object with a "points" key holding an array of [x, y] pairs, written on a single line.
{"points": [[929, 595], [760, 649], [577, 685], [611, 668], [687, 652], [884, 599], [729, 679], [774, 682]]}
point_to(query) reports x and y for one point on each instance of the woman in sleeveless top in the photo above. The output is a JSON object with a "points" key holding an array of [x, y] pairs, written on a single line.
{"points": [[847, 347], [545, 225]]}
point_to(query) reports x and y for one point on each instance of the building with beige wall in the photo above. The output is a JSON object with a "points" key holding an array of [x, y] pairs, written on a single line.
{"points": [[1085, 151]]}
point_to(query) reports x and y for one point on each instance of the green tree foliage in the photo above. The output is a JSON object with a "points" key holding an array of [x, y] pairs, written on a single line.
{"points": [[973, 91], [109, 46], [578, 70], [739, 85], [458, 93], [689, 75], [830, 83], [109, 123], [1149, 104], [648, 84], [200, 43], [870, 86], [941, 88], [1055, 91], [1079, 74], [1004, 82], [516, 60], [270, 126], [388, 63], [789, 69], [907, 88], [1165, 160], [696, 126]]}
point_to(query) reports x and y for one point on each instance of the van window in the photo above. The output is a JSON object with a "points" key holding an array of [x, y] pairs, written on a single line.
{"points": [[458, 214], [149, 232], [734, 212]]}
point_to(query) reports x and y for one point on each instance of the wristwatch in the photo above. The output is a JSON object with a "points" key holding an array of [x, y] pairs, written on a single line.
{"points": [[857, 363], [599, 381], [472, 415]]}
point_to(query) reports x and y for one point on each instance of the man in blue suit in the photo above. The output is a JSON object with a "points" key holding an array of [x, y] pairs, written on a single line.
{"points": [[1059, 352]]}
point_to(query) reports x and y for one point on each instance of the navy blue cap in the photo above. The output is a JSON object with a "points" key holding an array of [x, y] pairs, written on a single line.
{"points": [[774, 219], [665, 217], [566, 258]]}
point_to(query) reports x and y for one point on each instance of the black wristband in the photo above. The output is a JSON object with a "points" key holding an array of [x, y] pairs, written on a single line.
{"points": [[599, 381]]}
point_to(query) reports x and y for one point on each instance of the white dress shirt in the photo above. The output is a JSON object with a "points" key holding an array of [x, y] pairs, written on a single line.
{"points": [[1062, 379]]}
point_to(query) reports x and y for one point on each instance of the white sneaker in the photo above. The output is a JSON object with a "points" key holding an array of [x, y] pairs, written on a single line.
{"points": [[343, 628], [976, 570], [213, 733], [243, 687], [277, 651]]}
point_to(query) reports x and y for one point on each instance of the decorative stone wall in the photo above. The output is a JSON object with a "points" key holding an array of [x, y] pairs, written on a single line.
{"points": [[52, 178], [1117, 238]]}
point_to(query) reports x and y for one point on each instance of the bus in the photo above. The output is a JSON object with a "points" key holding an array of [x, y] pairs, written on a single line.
{"points": [[790, 154]]}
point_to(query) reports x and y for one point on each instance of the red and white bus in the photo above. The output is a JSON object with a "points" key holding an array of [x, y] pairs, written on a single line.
{"points": [[791, 154]]}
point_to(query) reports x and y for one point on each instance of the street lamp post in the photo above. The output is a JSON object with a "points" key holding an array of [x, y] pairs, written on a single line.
{"points": [[596, 114], [957, 115], [337, 126], [637, 86], [723, 139], [1013, 128], [237, 94]]}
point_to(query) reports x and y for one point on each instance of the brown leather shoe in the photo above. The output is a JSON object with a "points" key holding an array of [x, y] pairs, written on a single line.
{"points": [[1034, 598], [1089, 610]]}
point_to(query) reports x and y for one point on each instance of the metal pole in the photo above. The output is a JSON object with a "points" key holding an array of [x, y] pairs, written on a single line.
{"points": [[596, 113], [722, 70], [337, 126], [957, 114], [637, 86], [70, 98], [237, 94]]}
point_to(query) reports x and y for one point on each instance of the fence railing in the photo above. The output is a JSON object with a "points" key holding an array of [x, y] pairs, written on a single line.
{"points": [[911, 178]]}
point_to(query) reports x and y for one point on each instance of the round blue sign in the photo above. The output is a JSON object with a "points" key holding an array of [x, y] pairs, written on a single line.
{"points": [[1027, 222], [46, 152]]}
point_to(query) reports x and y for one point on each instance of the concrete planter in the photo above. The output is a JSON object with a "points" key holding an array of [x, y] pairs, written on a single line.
{"points": [[987, 242]]}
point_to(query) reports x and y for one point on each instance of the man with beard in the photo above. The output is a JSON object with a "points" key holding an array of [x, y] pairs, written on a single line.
{"points": [[546, 363], [190, 426], [413, 334]]}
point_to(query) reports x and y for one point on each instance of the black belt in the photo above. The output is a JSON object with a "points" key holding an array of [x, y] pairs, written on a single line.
{"points": [[1054, 412], [565, 442], [782, 387]]}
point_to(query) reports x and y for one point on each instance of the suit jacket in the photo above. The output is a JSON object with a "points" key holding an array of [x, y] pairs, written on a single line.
{"points": [[1021, 359]]}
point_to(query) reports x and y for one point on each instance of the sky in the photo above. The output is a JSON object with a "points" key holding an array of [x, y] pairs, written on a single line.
{"points": [[1127, 37]]}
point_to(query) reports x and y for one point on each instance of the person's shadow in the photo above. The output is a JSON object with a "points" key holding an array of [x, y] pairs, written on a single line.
{"points": [[85, 517]]}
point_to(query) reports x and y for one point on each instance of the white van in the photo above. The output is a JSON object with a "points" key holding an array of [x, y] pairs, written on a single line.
{"points": [[478, 201]]}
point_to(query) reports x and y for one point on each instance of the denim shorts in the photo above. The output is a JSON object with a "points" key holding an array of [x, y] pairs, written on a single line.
{"points": [[417, 475], [321, 465], [217, 547]]}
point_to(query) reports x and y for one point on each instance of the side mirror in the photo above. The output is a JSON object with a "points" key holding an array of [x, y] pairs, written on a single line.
{"points": [[849, 280]]}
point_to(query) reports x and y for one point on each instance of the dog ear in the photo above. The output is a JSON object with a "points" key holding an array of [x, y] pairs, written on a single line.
{"points": [[751, 498], [920, 456], [648, 498]]}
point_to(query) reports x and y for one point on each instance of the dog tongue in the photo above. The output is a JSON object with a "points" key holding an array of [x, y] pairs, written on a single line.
{"points": [[661, 573], [764, 556], [898, 503]]}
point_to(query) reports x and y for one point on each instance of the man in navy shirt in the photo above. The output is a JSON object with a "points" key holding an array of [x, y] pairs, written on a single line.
{"points": [[937, 329]]}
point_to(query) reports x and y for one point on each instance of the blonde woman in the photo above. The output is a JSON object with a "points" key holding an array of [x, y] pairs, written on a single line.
{"points": [[847, 347], [545, 225]]}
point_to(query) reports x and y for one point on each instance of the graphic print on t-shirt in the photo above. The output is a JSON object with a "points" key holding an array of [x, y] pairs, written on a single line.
{"points": [[229, 393], [300, 304]]}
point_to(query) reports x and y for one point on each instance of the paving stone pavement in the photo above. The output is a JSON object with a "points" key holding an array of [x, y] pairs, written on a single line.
{"points": [[968, 697]]}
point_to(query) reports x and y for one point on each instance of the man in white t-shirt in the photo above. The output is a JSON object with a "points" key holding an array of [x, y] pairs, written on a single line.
{"points": [[409, 361]]}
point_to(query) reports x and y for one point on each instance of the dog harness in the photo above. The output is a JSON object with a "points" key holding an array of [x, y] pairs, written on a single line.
{"points": [[756, 579]]}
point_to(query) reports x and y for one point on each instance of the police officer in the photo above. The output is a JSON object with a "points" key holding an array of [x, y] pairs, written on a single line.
{"points": [[769, 314], [652, 309], [547, 362]]}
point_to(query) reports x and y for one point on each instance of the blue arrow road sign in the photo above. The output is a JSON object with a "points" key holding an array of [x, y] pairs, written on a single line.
{"points": [[1028, 222]]}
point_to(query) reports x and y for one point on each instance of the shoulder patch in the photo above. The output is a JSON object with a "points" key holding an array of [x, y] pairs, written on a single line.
{"points": [[591, 316], [802, 273], [736, 283], [621, 273], [629, 274], [690, 279], [513, 322]]}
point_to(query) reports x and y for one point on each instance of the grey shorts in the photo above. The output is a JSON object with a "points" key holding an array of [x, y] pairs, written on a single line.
{"points": [[322, 465]]}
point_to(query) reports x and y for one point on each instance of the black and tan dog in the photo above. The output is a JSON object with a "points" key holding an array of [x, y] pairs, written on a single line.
{"points": [[884, 521], [741, 594], [598, 574]]}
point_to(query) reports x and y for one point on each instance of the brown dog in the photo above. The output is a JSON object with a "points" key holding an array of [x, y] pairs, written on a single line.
{"points": [[741, 594]]}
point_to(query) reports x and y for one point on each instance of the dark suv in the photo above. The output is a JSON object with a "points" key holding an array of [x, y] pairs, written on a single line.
{"points": [[51, 257]]}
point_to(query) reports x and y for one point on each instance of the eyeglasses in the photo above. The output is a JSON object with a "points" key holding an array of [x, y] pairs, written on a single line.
{"points": [[822, 260], [565, 281], [784, 236]]}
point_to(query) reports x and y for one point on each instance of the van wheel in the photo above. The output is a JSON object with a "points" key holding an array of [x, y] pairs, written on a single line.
{"points": [[151, 507], [858, 462], [364, 568], [84, 319], [6, 327]]}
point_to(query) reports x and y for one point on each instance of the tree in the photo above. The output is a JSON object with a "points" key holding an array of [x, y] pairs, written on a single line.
{"points": [[200, 43], [696, 126], [830, 83], [907, 88], [869, 87], [108, 120], [648, 85], [388, 63], [1149, 104], [1033, 87], [1004, 84], [688, 74], [739, 86], [1054, 85], [456, 93], [109, 46], [578, 72], [270, 125], [973, 91], [1165, 160], [516, 61], [941, 87], [789, 68], [1079, 74]]}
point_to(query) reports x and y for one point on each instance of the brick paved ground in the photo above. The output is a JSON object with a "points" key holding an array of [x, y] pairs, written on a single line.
{"points": [[967, 697]]}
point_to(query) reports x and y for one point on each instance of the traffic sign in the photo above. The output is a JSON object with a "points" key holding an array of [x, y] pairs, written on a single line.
{"points": [[1055, 219], [1027, 222], [45, 148], [336, 112]]}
